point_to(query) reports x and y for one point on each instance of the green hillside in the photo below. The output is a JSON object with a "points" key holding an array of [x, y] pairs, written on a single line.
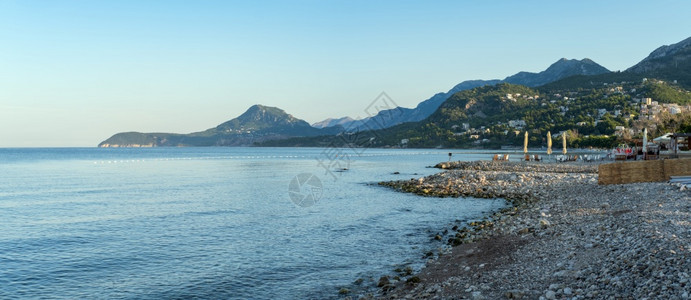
{"points": [[496, 116]]}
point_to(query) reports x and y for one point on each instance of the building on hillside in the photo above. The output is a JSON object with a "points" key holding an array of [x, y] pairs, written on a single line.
{"points": [[517, 124], [601, 112], [673, 108]]}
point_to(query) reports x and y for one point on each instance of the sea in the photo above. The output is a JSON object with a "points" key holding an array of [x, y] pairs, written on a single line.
{"points": [[217, 222]]}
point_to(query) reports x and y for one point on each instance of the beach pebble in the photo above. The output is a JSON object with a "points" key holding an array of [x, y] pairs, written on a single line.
{"points": [[625, 241], [544, 223]]}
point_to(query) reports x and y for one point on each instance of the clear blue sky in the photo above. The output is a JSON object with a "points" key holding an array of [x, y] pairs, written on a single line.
{"points": [[72, 73]]}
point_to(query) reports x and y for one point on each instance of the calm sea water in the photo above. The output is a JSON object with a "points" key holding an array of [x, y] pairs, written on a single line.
{"points": [[210, 222]]}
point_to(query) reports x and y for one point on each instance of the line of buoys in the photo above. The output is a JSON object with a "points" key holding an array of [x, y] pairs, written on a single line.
{"points": [[200, 158]]}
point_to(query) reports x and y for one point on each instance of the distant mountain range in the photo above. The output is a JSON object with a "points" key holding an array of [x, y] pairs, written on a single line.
{"points": [[563, 68], [670, 62], [262, 123], [259, 123], [333, 122]]}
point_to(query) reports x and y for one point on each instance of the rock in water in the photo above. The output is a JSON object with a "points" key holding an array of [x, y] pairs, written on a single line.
{"points": [[383, 281]]}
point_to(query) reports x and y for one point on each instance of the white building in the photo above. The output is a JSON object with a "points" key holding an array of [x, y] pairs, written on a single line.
{"points": [[517, 123], [601, 112], [674, 109]]}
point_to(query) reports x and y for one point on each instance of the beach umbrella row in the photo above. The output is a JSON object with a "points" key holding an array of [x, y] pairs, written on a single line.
{"points": [[549, 143]]}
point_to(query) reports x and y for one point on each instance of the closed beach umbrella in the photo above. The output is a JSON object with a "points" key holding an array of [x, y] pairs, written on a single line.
{"points": [[645, 140], [525, 143], [563, 142], [549, 143]]}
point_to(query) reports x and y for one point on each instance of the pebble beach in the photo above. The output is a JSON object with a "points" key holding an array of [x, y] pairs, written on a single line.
{"points": [[562, 236]]}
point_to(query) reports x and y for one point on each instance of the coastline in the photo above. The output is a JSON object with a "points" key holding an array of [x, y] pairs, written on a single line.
{"points": [[564, 236]]}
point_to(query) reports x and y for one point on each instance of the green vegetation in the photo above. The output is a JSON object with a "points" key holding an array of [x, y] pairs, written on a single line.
{"points": [[665, 93], [669, 68], [495, 116], [581, 82], [491, 117]]}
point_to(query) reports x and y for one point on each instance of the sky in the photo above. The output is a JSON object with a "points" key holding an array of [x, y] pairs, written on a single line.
{"points": [[73, 73]]}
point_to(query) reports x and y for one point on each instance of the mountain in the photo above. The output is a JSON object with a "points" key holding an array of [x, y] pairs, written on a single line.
{"points": [[669, 62], [663, 57], [484, 105], [427, 107], [333, 122], [563, 68], [390, 117], [259, 123], [259, 119], [491, 116], [591, 105], [498, 115]]}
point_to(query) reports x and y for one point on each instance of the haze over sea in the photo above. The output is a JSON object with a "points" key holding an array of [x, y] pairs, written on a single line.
{"points": [[210, 222]]}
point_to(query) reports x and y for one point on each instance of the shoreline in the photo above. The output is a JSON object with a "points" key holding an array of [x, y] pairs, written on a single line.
{"points": [[563, 236]]}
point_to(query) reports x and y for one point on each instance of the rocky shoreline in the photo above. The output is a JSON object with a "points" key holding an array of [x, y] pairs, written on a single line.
{"points": [[564, 237]]}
